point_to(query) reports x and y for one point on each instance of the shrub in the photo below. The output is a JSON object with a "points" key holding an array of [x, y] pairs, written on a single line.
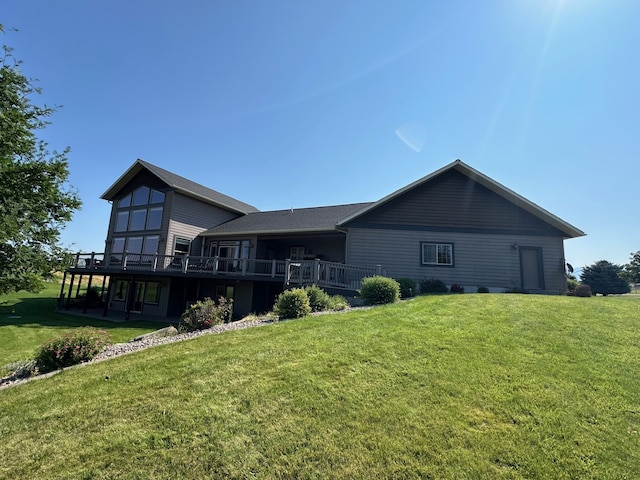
{"points": [[93, 295], [379, 290], [483, 289], [433, 285], [338, 302], [292, 303], [206, 313], [319, 300], [455, 288], [77, 346], [572, 283], [407, 287], [582, 290]]}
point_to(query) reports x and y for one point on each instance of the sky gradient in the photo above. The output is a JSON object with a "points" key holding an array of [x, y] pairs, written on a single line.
{"points": [[291, 104]]}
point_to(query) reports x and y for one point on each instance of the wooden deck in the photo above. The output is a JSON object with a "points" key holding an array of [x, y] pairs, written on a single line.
{"points": [[290, 272]]}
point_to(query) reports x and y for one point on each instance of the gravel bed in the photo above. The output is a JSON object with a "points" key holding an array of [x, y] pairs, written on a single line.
{"points": [[149, 340], [117, 349]]}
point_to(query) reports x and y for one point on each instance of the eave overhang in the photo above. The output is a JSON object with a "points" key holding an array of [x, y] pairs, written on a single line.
{"points": [[569, 230]]}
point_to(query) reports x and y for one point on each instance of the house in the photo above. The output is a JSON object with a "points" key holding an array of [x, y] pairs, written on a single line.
{"points": [[171, 241]]}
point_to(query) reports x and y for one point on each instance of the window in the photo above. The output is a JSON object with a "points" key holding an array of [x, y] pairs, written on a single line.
{"points": [[437, 253], [152, 293], [145, 292], [181, 246], [138, 219], [117, 249], [225, 291], [122, 221], [141, 196], [154, 219], [134, 244], [156, 197], [296, 253], [151, 245], [121, 290], [125, 201]]}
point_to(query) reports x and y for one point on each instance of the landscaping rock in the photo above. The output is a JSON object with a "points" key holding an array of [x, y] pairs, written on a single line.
{"points": [[163, 332]]}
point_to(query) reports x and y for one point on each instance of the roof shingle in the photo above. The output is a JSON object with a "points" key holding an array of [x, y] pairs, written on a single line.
{"points": [[298, 220]]}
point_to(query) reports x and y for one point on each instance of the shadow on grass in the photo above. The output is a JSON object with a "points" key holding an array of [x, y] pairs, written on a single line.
{"points": [[30, 312]]}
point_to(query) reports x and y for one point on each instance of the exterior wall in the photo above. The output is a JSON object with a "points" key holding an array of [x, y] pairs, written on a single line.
{"points": [[326, 247], [479, 259], [455, 202], [148, 309], [189, 217], [182, 217]]}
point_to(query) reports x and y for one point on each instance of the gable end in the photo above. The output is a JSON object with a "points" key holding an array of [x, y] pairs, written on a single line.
{"points": [[454, 202]]}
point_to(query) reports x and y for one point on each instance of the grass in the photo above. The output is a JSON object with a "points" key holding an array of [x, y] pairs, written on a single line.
{"points": [[39, 322], [452, 386]]}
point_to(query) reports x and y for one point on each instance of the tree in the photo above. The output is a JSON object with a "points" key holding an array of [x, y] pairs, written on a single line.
{"points": [[604, 277], [632, 269], [35, 198]]}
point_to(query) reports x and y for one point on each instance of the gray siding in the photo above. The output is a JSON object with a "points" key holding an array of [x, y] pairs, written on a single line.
{"points": [[453, 201], [189, 217], [479, 259]]}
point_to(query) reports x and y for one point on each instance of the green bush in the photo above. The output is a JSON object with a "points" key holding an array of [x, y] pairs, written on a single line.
{"points": [[338, 302], [407, 287], [207, 313], [483, 289], [572, 283], [379, 290], [292, 303], [77, 346], [433, 285], [319, 300], [582, 290]]}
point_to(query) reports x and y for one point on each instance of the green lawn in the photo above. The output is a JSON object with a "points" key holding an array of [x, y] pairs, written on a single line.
{"points": [[452, 386], [39, 322]]}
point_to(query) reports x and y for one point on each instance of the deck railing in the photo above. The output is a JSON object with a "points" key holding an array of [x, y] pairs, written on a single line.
{"points": [[318, 272], [328, 274]]}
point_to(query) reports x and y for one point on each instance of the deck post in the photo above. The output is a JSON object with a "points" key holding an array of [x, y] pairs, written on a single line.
{"points": [[273, 268], [104, 281], [79, 284], [68, 304], [215, 264], [378, 269], [106, 303], [86, 297], [316, 271], [244, 267], [287, 273], [61, 296]]}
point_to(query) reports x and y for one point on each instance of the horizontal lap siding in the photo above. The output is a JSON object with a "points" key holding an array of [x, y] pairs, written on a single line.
{"points": [[453, 201], [190, 217], [479, 259]]}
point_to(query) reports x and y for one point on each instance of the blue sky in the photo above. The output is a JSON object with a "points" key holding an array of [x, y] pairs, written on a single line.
{"points": [[304, 103]]}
